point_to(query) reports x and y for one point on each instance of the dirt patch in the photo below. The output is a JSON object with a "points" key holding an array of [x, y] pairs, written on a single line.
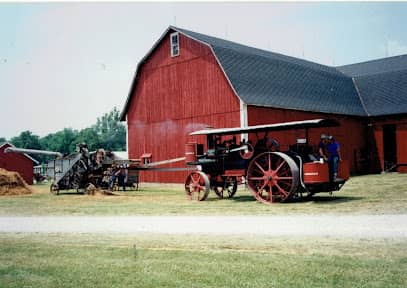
{"points": [[94, 191], [11, 183], [100, 192]]}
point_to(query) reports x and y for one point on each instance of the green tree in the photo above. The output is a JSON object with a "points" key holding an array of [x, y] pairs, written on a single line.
{"points": [[2, 140], [90, 137], [111, 132], [63, 141], [108, 133], [26, 140]]}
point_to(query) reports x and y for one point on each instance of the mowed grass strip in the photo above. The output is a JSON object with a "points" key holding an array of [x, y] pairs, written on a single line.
{"points": [[66, 260], [370, 194]]}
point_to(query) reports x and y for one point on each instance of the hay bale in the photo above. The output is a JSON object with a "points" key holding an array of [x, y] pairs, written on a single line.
{"points": [[11, 183]]}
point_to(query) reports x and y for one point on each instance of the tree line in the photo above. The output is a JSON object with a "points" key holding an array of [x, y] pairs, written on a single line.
{"points": [[108, 133]]}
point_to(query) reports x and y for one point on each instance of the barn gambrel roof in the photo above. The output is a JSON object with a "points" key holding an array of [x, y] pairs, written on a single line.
{"points": [[264, 78], [382, 84]]}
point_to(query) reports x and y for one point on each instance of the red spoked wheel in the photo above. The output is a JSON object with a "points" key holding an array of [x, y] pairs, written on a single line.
{"points": [[226, 188], [197, 186], [272, 176]]}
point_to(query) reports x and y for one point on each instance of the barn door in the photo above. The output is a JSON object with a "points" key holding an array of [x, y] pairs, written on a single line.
{"points": [[389, 147]]}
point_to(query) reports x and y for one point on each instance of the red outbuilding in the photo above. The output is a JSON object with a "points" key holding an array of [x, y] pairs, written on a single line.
{"points": [[189, 81], [21, 163]]}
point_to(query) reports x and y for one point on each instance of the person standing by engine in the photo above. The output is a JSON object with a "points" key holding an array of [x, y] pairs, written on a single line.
{"points": [[334, 157], [322, 148], [121, 177], [112, 180]]}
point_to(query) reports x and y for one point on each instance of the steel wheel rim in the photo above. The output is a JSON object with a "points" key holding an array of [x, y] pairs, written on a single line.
{"points": [[272, 176], [197, 186], [229, 184]]}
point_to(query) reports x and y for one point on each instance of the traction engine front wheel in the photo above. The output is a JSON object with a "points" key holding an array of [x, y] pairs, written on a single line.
{"points": [[226, 188], [197, 186], [273, 176]]}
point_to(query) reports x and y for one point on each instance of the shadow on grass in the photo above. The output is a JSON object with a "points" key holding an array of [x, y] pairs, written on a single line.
{"points": [[316, 199], [244, 198], [331, 199], [96, 193]]}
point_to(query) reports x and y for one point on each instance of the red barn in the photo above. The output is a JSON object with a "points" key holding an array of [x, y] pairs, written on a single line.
{"points": [[189, 81], [21, 163]]}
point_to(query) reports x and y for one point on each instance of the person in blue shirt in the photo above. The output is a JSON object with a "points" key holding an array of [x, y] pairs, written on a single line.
{"points": [[334, 157], [121, 174]]}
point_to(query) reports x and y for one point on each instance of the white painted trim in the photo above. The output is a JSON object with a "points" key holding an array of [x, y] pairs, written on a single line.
{"points": [[172, 44], [127, 136]]}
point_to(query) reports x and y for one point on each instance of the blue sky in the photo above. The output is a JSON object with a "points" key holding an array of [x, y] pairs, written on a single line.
{"points": [[65, 64]]}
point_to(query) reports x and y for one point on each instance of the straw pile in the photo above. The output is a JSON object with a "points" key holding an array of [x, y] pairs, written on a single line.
{"points": [[11, 183]]}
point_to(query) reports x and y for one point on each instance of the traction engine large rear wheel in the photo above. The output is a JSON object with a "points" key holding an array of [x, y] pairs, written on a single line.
{"points": [[273, 176], [197, 186]]}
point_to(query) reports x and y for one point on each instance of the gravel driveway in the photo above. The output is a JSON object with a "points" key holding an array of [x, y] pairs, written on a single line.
{"points": [[356, 226]]}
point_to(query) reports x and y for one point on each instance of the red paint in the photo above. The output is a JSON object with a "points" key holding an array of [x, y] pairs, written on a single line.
{"points": [[190, 153], [401, 139], [235, 172], [343, 169], [17, 162], [350, 133], [401, 135], [378, 137], [173, 97], [315, 173]]}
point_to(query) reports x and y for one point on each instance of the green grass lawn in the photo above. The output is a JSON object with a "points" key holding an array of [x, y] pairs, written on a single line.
{"points": [[66, 260], [374, 194]]}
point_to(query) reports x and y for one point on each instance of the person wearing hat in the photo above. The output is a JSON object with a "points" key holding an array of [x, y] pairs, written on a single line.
{"points": [[334, 157], [322, 147], [121, 177]]}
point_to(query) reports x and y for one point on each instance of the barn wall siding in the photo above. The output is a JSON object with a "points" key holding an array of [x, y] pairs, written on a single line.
{"points": [[18, 163], [401, 135], [351, 134], [173, 97], [401, 139], [378, 138]]}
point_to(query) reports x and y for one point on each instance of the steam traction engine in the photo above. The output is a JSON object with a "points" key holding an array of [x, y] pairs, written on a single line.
{"points": [[271, 175]]}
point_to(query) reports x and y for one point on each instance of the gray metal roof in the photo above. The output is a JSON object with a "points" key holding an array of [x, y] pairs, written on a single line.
{"points": [[382, 84], [385, 93], [385, 65], [264, 78], [270, 79]]}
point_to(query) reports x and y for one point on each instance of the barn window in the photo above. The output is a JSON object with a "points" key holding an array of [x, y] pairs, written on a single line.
{"points": [[174, 37]]}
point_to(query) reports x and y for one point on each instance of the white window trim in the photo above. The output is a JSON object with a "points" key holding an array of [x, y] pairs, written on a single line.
{"points": [[172, 44]]}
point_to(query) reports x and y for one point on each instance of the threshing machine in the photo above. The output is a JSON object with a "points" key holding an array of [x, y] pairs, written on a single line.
{"points": [[83, 170], [270, 174]]}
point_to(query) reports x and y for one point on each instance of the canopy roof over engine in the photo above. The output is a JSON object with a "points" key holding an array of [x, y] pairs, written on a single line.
{"points": [[315, 123]]}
